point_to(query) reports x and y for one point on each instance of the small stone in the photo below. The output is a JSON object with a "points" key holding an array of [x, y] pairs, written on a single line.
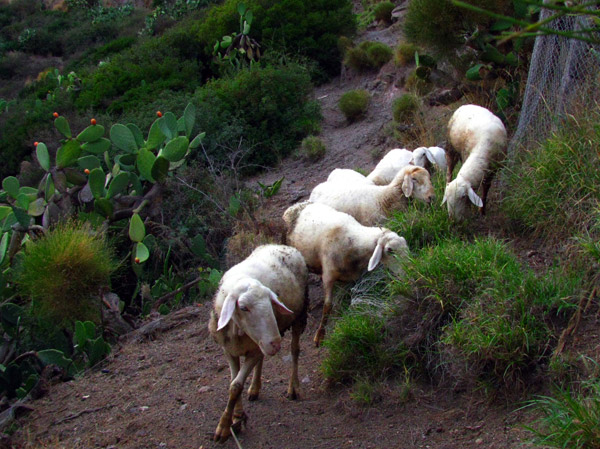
{"points": [[204, 389], [479, 441]]}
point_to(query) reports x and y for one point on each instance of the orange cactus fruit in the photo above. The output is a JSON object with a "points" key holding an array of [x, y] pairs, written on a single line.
{"points": [[87, 171], [137, 260], [55, 115], [35, 144], [159, 113], [93, 121]]}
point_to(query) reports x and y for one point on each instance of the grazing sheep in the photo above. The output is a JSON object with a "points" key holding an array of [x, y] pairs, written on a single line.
{"points": [[337, 246], [478, 138], [348, 176], [394, 160], [257, 301], [371, 204]]}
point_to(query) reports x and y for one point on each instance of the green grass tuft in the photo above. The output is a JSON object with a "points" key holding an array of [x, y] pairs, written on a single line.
{"points": [[354, 104]]}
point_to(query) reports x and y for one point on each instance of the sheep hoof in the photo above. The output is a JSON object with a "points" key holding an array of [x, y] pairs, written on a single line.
{"points": [[252, 396], [221, 434], [292, 395], [319, 336], [238, 421]]}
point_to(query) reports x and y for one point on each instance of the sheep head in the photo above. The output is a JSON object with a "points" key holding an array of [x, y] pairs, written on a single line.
{"points": [[457, 196], [415, 182], [388, 245], [250, 305]]}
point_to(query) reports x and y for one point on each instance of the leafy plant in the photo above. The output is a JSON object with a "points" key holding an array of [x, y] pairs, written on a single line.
{"points": [[368, 56], [87, 344], [383, 11], [313, 148], [404, 107]]}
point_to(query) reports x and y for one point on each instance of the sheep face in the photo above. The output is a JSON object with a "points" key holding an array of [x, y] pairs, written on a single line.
{"points": [[250, 305], [420, 156], [389, 245], [417, 183], [457, 196]]}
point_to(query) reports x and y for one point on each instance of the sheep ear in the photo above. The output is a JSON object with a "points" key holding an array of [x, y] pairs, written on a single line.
{"points": [[376, 257], [474, 198], [407, 185], [430, 156], [226, 311], [279, 306], [445, 198], [440, 158]]}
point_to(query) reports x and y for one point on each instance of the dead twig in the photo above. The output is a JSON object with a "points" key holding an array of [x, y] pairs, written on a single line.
{"points": [[82, 412], [170, 295]]}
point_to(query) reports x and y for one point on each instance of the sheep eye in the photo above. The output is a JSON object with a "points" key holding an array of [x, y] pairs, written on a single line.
{"points": [[244, 309], [389, 250]]}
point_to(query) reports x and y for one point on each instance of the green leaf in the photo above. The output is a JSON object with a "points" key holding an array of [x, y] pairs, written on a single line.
{"points": [[97, 147], [122, 137], [23, 201], [246, 27], [90, 162], [136, 184], [97, 179], [197, 140], [30, 192], [503, 98], [41, 152], [54, 357], [103, 207], [241, 9], [91, 133], [189, 117], [49, 188], [501, 25], [175, 150], [11, 185], [474, 73], [3, 247], [80, 338], [155, 135], [141, 252], [36, 208], [118, 184], [249, 16], [4, 211], [512, 59], [126, 161], [90, 329], [198, 247], [99, 349], [137, 230], [62, 126], [75, 176], [68, 153], [11, 314], [160, 169], [22, 216], [168, 125], [137, 134], [145, 161], [492, 54]]}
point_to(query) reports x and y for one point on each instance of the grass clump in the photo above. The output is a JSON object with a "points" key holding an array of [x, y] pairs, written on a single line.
{"points": [[477, 315], [63, 272], [569, 418], [404, 107], [368, 56], [354, 104], [313, 148], [404, 53], [383, 11]]}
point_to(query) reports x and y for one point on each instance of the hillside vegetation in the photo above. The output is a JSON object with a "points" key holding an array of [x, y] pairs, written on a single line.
{"points": [[124, 158]]}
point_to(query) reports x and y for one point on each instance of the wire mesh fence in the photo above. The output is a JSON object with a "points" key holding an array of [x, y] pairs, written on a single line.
{"points": [[563, 74]]}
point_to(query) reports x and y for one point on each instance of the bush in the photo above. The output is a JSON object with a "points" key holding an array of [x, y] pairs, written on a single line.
{"points": [[479, 315], [405, 53], [383, 11], [313, 148], [354, 104], [404, 107], [368, 56], [262, 114], [63, 272]]}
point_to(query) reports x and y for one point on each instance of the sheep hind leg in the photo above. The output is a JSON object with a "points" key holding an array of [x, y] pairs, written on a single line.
{"points": [[294, 385], [451, 160], [485, 184], [254, 389], [234, 403], [328, 287]]}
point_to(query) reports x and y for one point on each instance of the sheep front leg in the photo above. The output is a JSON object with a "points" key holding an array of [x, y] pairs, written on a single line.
{"points": [[234, 403], [485, 185], [254, 389], [451, 161], [328, 287]]}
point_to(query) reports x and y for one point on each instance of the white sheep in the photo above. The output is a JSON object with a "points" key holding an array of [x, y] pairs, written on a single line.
{"points": [[336, 245], [478, 138], [257, 301], [371, 204], [395, 159], [347, 176]]}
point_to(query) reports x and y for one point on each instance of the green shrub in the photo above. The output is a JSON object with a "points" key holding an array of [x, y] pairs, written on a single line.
{"points": [[568, 418], [404, 107], [405, 53], [265, 110], [368, 56], [383, 11], [313, 148], [354, 104], [63, 272]]}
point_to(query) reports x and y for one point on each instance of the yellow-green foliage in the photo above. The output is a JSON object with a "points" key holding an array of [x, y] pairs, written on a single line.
{"points": [[405, 53], [354, 103], [383, 11], [368, 56], [63, 271], [313, 148], [404, 107]]}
